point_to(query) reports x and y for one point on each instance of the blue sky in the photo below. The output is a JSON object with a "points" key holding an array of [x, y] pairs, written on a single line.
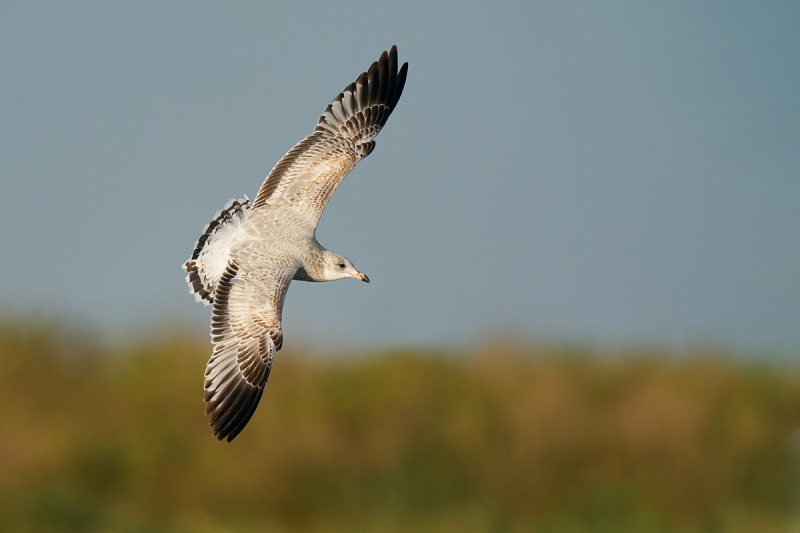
{"points": [[615, 173]]}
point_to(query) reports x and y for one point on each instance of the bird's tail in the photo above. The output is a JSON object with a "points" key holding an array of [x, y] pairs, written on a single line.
{"points": [[212, 250]]}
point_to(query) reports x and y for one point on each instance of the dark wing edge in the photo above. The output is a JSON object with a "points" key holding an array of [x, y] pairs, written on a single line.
{"points": [[241, 360], [356, 115], [362, 109]]}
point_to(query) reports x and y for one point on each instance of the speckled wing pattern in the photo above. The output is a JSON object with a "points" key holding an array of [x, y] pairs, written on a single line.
{"points": [[246, 333], [247, 291], [305, 178]]}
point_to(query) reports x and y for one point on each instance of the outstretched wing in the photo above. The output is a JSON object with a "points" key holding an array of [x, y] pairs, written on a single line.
{"points": [[305, 178], [246, 333]]}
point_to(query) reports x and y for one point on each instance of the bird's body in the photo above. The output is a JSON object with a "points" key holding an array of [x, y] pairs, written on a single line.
{"points": [[249, 254]]}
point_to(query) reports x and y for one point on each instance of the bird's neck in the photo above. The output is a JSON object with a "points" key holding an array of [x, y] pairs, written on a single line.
{"points": [[313, 268]]}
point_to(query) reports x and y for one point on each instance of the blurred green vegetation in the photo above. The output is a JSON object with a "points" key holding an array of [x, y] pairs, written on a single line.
{"points": [[502, 439]]}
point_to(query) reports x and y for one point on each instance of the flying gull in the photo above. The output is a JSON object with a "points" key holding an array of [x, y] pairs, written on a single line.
{"points": [[250, 252]]}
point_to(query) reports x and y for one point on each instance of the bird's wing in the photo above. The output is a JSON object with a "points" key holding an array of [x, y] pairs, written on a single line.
{"points": [[305, 178], [246, 333]]}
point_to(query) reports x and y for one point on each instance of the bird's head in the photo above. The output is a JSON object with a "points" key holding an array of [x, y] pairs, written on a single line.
{"points": [[337, 267]]}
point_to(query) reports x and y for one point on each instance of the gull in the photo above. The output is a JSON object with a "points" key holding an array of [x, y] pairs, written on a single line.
{"points": [[249, 253]]}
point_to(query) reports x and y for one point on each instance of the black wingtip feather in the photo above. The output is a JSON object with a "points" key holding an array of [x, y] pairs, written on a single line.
{"points": [[401, 82], [237, 405], [236, 419], [228, 413], [372, 78], [392, 84], [383, 78], [246, 415], [377, 92]]}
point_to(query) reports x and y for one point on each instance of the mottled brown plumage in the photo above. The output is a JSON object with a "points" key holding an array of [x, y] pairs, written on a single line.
{"points": [[248, 255]]}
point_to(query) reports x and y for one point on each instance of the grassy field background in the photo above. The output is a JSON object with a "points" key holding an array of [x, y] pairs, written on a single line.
{"points": [[500, 438]]}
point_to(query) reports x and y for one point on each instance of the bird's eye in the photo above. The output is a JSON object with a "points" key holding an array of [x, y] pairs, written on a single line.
{"points": [[341, 265]]}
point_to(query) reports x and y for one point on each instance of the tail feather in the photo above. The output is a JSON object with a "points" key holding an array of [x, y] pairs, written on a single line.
{"points": [[212, 250]]}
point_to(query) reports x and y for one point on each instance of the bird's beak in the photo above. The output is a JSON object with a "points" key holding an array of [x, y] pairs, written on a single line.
{"points": [[362, 277]]}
